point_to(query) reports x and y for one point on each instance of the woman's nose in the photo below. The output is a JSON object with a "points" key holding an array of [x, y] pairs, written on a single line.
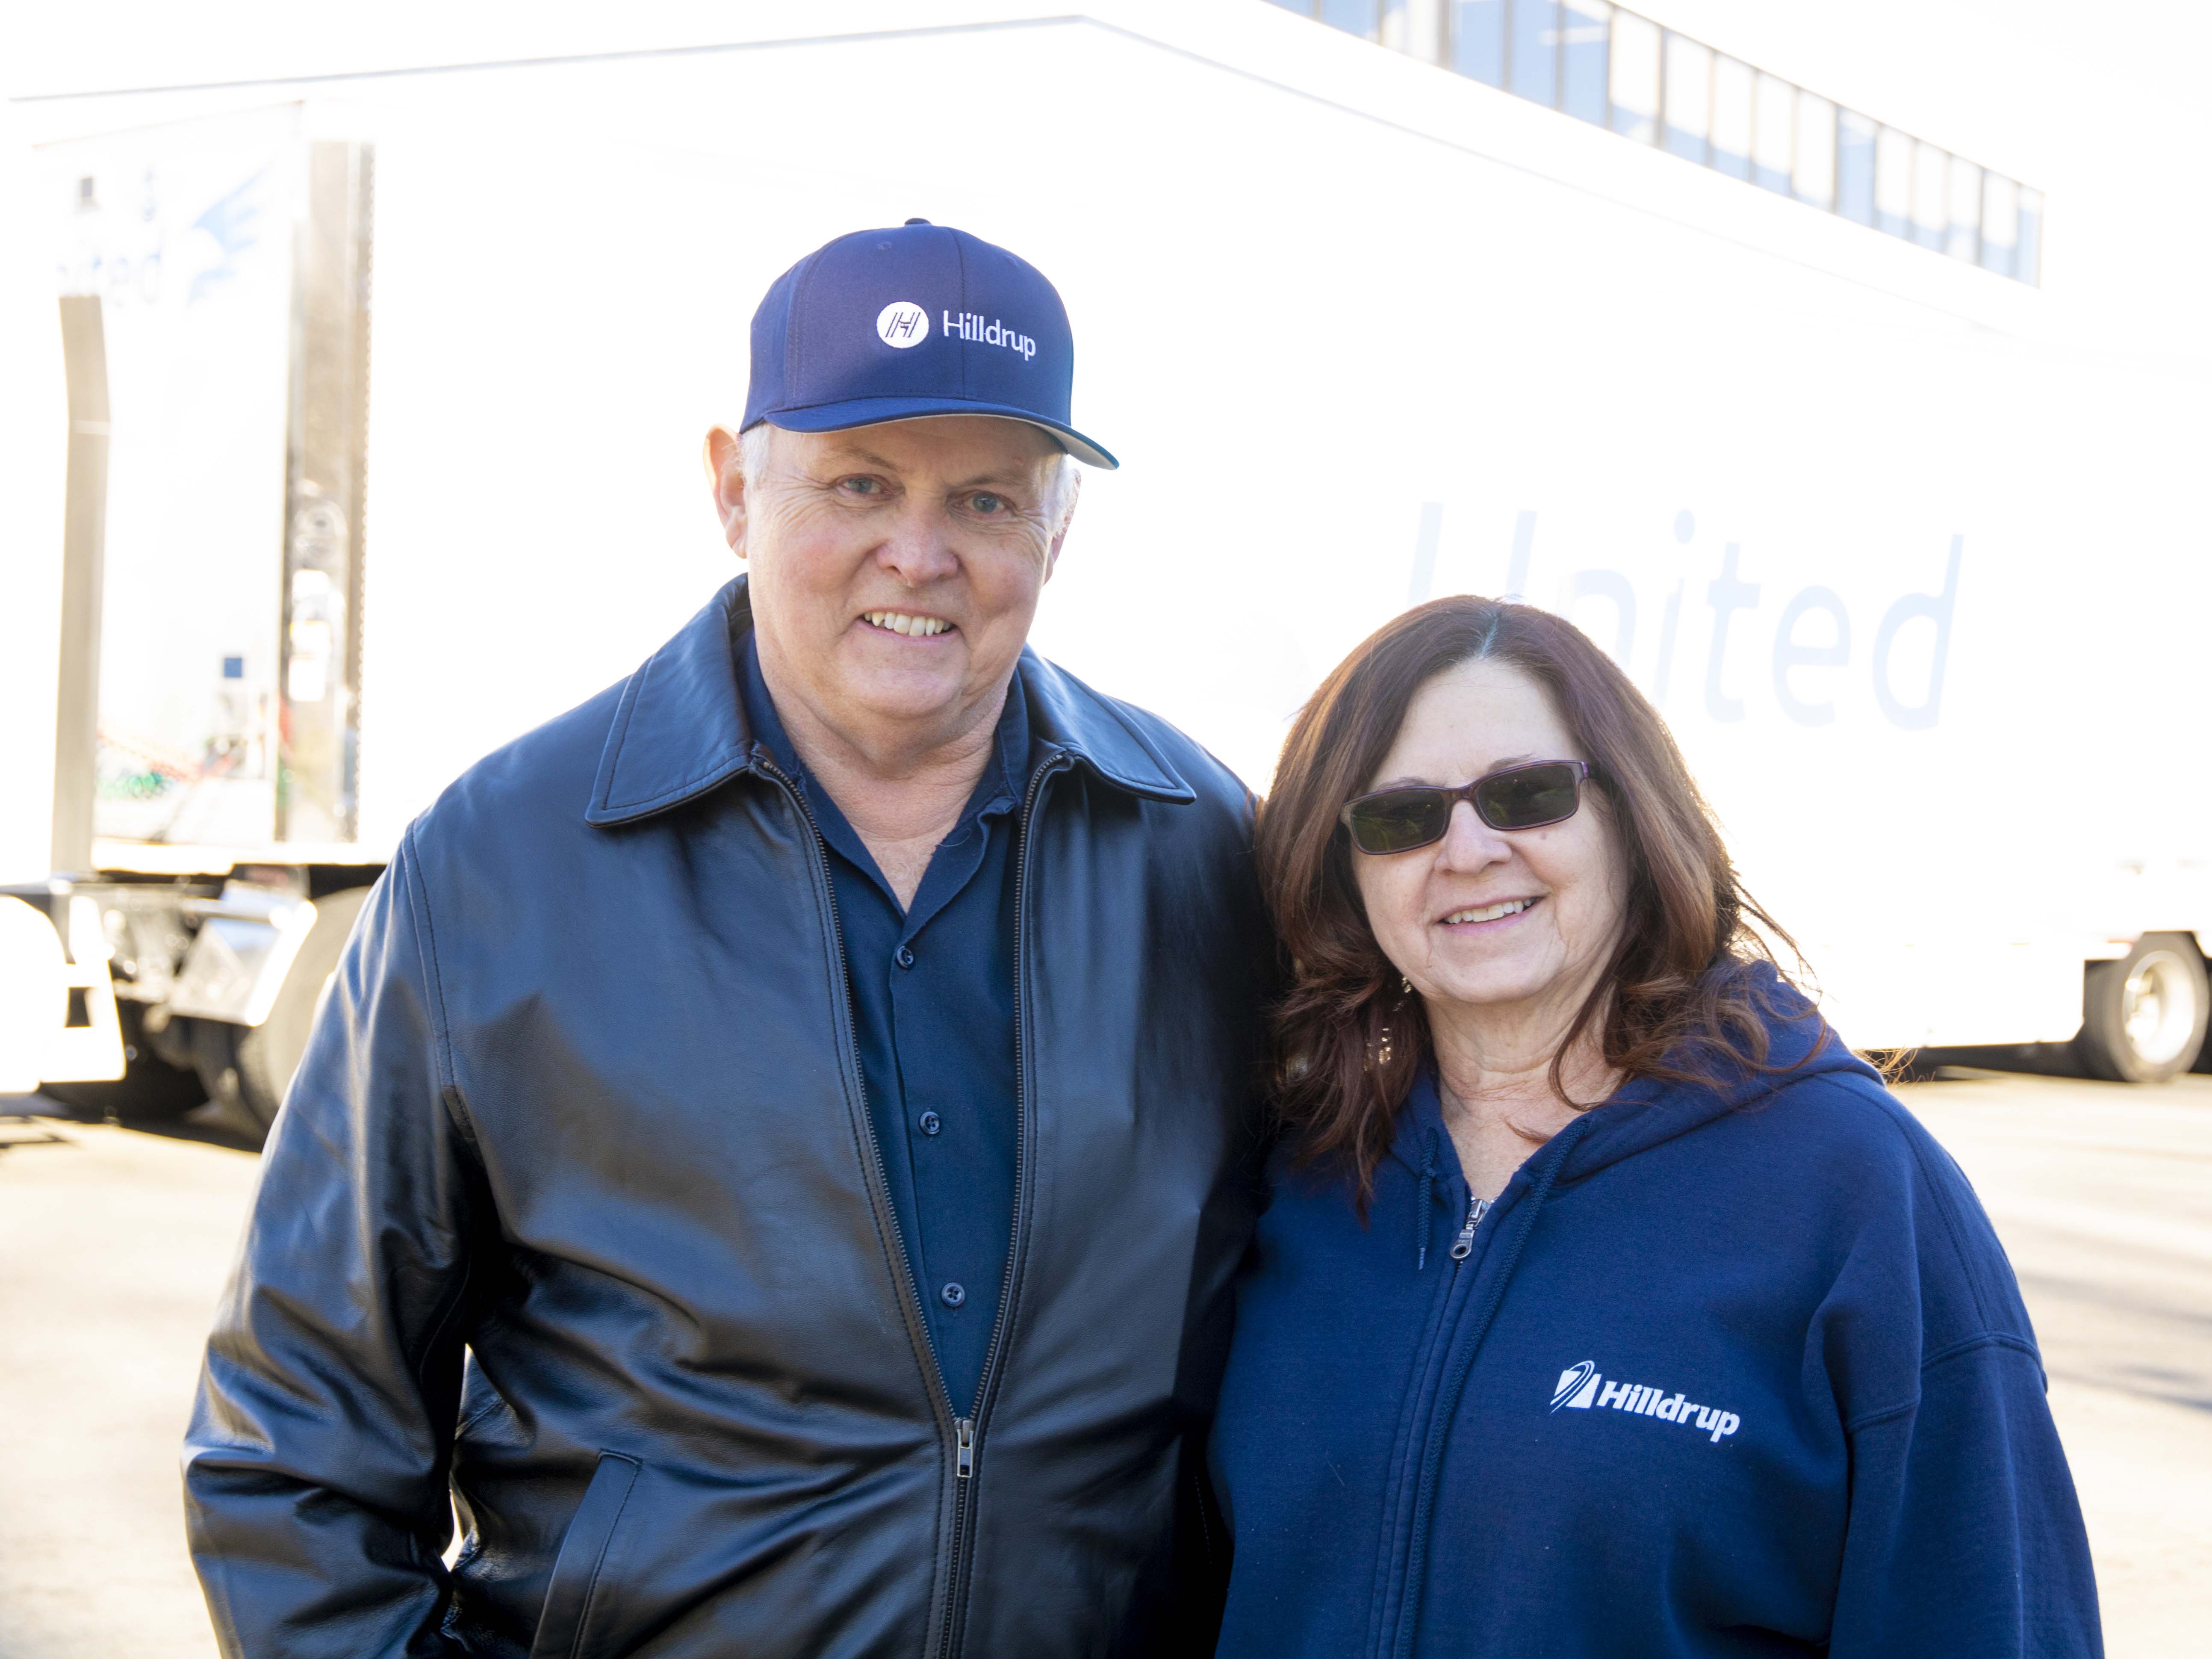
{"points": [[1469, 843]]}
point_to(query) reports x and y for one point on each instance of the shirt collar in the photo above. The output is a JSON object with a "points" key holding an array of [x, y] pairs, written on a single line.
{"points": [[1000, 786], [680, 727]]}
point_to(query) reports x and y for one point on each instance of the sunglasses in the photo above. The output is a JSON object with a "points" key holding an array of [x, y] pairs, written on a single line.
{"points": [[1519, 797]]}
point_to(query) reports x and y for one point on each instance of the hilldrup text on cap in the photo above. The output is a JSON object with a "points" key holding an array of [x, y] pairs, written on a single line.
{"points": [[969, 327]]}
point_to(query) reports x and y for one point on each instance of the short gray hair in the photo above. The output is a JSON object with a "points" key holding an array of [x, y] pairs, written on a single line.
{"points": [[1066, 483]]}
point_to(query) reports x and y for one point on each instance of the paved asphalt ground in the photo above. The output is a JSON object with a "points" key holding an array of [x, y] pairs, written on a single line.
{"points": [[115, 1242]]}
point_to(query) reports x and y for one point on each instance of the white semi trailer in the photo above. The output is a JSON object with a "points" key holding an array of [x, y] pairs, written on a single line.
{"points": [[386, 386]]}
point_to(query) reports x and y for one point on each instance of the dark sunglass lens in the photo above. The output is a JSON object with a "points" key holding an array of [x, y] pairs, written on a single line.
{"points": [[1523, 799], [1400, 820]]}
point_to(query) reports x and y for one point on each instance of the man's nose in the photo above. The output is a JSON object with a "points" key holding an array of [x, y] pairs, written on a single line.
{"points": [[920, 548], [1469, 844]]}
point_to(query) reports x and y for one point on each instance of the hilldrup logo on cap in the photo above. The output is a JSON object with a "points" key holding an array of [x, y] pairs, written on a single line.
{"points": [[971, 326], [902, 323]]}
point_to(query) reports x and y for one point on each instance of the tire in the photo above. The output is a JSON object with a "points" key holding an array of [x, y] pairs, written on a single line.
{"points": [[248, 1068], [150, 1087], [2143, 1016]]}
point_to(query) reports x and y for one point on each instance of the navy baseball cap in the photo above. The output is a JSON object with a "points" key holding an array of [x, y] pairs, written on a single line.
{"points": [[900, 325]]}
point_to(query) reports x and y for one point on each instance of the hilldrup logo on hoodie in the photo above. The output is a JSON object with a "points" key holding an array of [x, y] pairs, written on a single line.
{"points": [[1580, 1390]]}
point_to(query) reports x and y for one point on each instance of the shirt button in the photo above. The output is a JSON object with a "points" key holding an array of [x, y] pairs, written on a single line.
{"points": [[952, 1295], [904, 958], [931, 1123]]}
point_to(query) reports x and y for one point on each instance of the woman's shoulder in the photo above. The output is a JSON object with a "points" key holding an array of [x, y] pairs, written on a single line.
{"points": [[1848, 1115], [1859, 1157], [1850, 1103], [1827, 1101], [1900, 1218]]}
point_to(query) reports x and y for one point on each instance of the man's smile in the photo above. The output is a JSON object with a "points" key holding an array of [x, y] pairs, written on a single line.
{"points": [[906, 623]]}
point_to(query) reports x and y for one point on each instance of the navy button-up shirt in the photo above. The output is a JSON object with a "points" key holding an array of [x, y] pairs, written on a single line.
{"points": [[933, 997]]}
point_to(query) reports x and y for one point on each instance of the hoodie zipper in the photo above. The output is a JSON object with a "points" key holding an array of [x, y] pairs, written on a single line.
{"points": [[963, 1428], [1455, 1356], [1463, 1246], [964, 1462], [1450, 1295]]}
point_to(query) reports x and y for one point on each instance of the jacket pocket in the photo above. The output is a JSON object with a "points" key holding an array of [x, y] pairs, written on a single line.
{"points": [[564, 1623]]}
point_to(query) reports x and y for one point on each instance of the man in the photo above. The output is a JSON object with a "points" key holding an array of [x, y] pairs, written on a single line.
{"points": [[777, 1145]]}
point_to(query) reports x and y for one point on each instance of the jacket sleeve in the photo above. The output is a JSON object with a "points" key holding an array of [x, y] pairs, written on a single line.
{"points": [[315, 1465], [1965, 1539]]}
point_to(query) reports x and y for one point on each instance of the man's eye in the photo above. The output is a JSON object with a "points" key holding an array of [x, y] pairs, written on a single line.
{"points": [[988, 502], [865, 486]]}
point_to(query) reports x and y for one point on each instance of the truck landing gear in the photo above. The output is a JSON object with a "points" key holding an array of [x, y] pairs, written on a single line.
{"points": [[247, 1068]]}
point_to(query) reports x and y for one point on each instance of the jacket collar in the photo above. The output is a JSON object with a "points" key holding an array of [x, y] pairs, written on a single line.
{"points": [[679, 727]]}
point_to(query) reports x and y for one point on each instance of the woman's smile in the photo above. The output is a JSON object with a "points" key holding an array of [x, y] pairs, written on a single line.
{"points": [[1484, 918]]}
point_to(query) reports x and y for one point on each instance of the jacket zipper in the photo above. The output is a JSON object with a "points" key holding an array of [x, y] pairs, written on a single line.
{"points": [[963, 1429], [965, 1461]]}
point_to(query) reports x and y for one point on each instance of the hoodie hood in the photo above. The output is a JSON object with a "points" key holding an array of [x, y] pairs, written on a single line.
{"points": [[1648, 1112]]}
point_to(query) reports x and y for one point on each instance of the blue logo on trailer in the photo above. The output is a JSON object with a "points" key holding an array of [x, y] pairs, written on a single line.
{"points": [[229, 223]]}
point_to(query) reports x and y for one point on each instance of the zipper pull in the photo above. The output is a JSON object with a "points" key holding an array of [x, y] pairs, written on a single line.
{"points": [[963, 1462], [1463, 1246]]}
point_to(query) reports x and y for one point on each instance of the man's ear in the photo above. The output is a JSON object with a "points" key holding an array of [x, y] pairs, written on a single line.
{"points": [[725, 460], [1074, 495]]}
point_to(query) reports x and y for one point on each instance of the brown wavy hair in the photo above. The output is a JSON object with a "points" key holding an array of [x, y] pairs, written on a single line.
{"points": [[1676, 1001]]}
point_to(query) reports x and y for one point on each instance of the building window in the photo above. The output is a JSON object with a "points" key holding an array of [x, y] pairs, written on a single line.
{"points": [[1855, 166], [1633, 77], [1615, 69], [1736, 86], [1813, 167], [1354, 16], [1931, 195], [2000, 222], [1962, 239], [1477, 45], [1585, 28], [2027, 249], [1686, 97], [1773, 133], [1892, 181], [1532, 50]]}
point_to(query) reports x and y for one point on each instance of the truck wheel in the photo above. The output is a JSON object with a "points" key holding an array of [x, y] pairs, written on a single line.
{"points": [[249, 1068], [150, 1087], [2143, 1016]]}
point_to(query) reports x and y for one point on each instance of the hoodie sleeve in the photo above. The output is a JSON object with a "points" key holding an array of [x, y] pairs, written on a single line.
{"points": [[315, 1465], [1964, 1538]]}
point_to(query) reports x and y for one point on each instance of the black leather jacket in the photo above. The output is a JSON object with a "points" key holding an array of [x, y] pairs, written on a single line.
{"points": [[575, 1200]]}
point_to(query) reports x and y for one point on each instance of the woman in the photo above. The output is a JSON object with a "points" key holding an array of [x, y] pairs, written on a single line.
{"points": [[1603, 1304]]}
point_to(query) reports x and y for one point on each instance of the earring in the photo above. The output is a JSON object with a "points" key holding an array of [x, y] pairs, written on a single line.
{"points": [[1405, 985]]}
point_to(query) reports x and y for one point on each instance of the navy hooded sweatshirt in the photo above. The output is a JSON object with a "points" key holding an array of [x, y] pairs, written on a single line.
{"points": [[1724, 1371]]}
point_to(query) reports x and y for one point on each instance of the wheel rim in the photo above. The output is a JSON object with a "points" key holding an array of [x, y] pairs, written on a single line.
{"points": [[2158, 1008]]}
